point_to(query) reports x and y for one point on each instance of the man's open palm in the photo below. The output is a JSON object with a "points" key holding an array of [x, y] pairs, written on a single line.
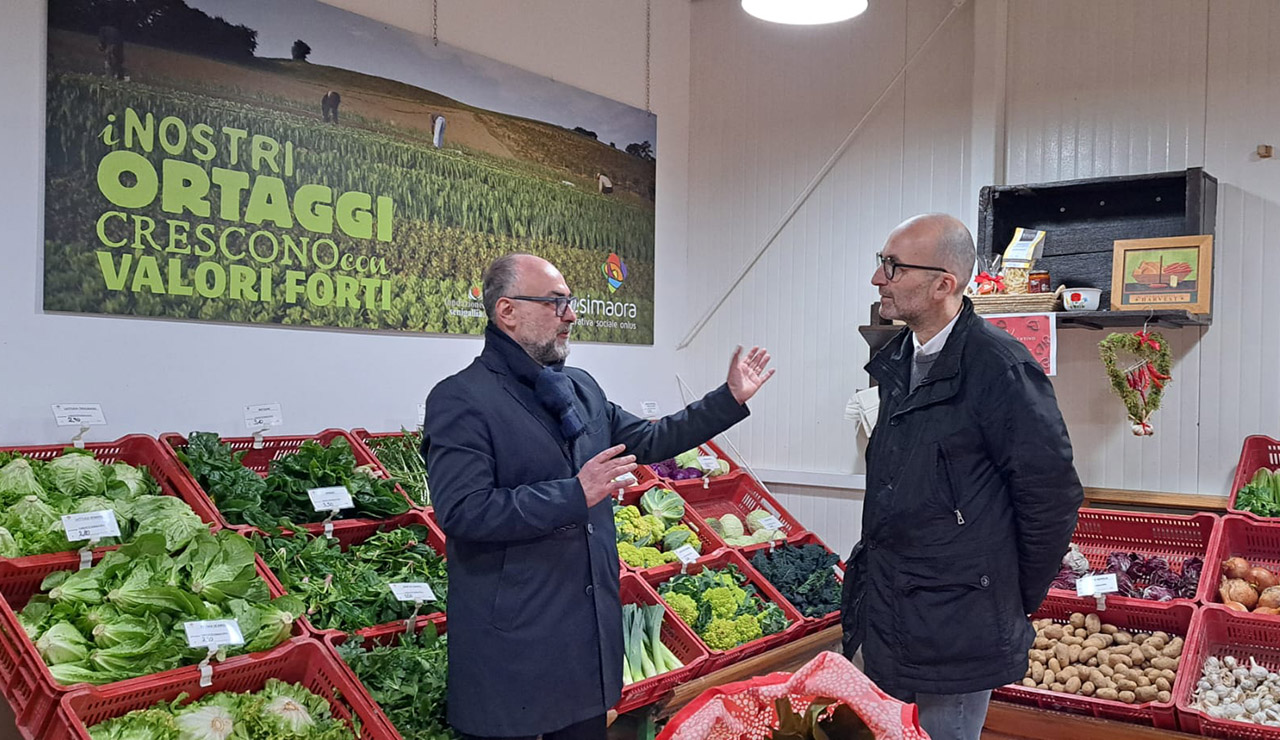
{"points": [[747, 374]]}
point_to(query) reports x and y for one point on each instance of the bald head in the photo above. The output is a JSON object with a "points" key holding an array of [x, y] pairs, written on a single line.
{"points": [[950, 245], [502, 277]]}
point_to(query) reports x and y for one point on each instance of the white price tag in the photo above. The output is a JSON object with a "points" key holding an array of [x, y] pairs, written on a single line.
{"points": [[687, 554], [79, 414], [708, 462], [1095, 585], [649, 409], [415, 592], [213, 633], [330, 498], [771, 523], [422, 413], [93, 525], [259, 415]]}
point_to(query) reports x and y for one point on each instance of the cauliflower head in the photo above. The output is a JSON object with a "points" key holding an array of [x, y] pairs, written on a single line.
{"points": [[723, 601], [684, 607], [720, 634], [748, 628]]}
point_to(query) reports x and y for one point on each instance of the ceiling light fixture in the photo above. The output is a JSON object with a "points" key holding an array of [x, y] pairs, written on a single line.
{"points": [[804, 12]]}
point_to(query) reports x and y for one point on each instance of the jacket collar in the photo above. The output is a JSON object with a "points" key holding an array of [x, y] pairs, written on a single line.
{"points": [[891, 366], [506, 358]]}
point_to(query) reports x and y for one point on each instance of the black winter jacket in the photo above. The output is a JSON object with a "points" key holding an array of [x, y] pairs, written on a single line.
{"points": [[971, 503]]}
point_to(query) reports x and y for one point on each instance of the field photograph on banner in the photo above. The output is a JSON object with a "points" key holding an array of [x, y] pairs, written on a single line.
{"points": [[290, 163]]}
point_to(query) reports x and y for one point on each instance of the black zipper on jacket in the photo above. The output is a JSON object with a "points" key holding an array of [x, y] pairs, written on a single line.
{"points": [[951, 488]]}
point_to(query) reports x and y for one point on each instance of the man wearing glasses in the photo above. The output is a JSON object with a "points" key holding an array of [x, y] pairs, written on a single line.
{"points": [[524, 454], [971, 492]]}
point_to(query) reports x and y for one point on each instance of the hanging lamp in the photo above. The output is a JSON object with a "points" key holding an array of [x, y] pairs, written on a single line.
{"points": [[804, 12]]}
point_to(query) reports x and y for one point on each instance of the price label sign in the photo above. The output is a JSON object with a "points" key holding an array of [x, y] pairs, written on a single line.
{"points": [[93, 525], [649, 409], [687, 554], [1097, 585], [213, 633], [330, 498], [422, 413], [414, 592], [771, 522], [708, 462], [259, 415], [79, 414]]}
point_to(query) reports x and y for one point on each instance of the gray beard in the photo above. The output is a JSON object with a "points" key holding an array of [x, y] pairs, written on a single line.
{"points": [[547, 353]]}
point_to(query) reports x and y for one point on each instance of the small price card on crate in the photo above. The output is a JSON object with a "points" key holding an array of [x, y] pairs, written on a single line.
{"points": [[330, 498], [92, 525], [213, 633], [413, 592]]}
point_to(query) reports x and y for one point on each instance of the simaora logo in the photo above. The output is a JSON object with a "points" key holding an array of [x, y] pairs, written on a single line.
{"points": [[615, 271]]}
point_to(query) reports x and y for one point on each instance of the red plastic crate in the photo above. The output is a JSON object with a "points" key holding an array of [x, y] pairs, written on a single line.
{"points": [[1250, 538], [137, 450], [707, 448], [1139, 616], [720, 658], [25, 680], [354, 534], [362, 436], [737, 495], [302, 660], [676, 635], [385, 635], [1257, 452], [1217, 632], [1100, 532], [711, 542], [811, 624], [259, 461]]}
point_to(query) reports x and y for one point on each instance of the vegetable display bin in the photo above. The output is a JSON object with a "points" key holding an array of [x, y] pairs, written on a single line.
{"points": [[381, 636], [706, 448], [1258, 452], [25, 680], [1218, 632], [720, 658], [676, 635], [711, 542], [302, 660], [811, 624], [1100, 532], [1237, 536], [138, 450], [363, 436], [1137, 616], [355, 534], [258, 459], [739, 496]]}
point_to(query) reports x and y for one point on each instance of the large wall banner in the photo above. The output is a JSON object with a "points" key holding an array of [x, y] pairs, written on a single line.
{"points": [[286, 162]]}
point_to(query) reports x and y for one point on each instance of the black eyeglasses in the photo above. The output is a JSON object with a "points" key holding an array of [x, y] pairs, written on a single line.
{"points": [[891, 266], [562, 302]]}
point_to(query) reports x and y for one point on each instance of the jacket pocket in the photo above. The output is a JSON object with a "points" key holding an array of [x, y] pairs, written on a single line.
{"points": [[515, 584], [948, 611]]}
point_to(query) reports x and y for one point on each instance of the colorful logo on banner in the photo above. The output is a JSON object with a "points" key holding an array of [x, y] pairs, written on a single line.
{"points": [[615, 271]]}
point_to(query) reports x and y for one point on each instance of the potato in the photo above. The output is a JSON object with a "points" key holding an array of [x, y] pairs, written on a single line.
{"points": [[1087, 688], [1162, 684], [1138, 658], [1141, 637], [1155, 643], [1125, 684], [1095, 642], [1123, 638], [1169, 676], [1143, 681], [1111, 694], [1096, 678], [1149, 652], [1042, 643], [1158, 635], [1106, 669], [1081, 632], [1057, 687], [1072, 640], [1037, 656], [1062, 652], [1029, 683], [1066, 673], [1054, 665], [1172, 650], [1049, 677], [1053, 632], [1092, 662], [1120, 659], [1109, 629], [1164, 697], [1092, 624], [1164, 663], [1146, 693], [1151, 673], [1128, 697], [1037, 672], [1107, 640], [1077, 620], [1072, 686]]}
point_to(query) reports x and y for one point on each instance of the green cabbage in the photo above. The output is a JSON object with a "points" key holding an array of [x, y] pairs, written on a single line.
{"points": [[168, 516], [18, 479], [76, 473], [8, 545], [731, 526], [135, 481], [208, 722], [664, 504]]}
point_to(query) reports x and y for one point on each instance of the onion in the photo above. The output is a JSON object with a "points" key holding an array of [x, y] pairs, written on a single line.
{"points": [[1239, 590], [1237, 606], [1236, 567], [1261, 578], [1270, 598]]}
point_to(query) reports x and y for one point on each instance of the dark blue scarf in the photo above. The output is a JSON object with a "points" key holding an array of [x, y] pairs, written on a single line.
{"points": [[553, 389]]}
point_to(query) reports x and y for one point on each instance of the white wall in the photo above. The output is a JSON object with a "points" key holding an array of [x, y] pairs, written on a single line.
{"points": [[1008, 92], [155, 376]]}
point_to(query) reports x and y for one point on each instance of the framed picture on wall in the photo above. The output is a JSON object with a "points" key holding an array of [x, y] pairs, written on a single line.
{"points": [[1169, 272]]}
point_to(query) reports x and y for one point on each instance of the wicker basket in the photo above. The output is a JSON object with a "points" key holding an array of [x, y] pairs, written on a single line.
{"points": [[1018, 303]]}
